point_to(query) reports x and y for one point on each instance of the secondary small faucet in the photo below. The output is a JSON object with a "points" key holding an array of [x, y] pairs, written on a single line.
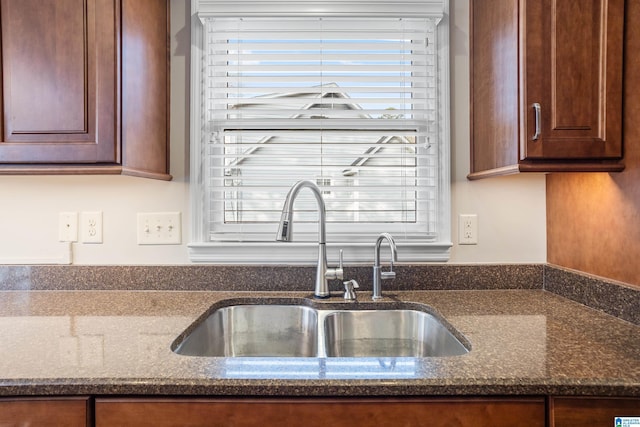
{"points": [[378, 274], [323, 273]]}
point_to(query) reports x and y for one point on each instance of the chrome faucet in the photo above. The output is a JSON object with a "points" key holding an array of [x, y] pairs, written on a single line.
{"points": [[323, 273], [378, 274]]}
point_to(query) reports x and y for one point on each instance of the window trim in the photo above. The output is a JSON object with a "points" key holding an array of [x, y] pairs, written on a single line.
{"points": [[365, 8], [296, 253]]}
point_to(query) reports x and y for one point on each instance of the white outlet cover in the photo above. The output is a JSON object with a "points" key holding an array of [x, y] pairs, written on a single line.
{"points": [[468, 229], [91, 227]]}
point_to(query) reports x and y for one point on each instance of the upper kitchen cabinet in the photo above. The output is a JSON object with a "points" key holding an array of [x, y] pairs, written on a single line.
{"points": [[84, 87], [546, 86]]}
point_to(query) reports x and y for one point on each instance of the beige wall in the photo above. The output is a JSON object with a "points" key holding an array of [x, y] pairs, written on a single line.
{"points": [[511, 210]]}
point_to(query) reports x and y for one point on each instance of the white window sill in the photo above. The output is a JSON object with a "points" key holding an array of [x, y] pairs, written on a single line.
{"points": [[306, 253]]}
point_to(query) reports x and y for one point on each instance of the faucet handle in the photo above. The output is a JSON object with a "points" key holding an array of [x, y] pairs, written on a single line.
{"points": [[336, 273], [384, 275], [389, 274]]}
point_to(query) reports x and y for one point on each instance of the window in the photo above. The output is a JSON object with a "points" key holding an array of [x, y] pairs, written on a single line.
{"points": [[357, 104]]}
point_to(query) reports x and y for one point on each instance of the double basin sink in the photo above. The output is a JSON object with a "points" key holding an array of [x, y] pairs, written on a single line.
{"points": [[302, 328]]}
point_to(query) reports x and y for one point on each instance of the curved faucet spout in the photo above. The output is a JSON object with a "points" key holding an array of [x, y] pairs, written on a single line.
{"points": [[392, 247], [323, 273], [378, 274], [286, 219]]}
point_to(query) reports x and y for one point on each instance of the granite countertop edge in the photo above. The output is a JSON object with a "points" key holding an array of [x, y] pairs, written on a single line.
{"points": [[312, 388]]}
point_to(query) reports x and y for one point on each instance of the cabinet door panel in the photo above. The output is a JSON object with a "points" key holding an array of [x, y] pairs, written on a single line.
{"points": [[68, 412], [591, 412], [59, 84], [574, 66], [320, 412], [574, 72], [47, 67]]}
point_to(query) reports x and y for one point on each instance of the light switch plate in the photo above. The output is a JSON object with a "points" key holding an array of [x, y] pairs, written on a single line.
{"points": [[159, 228]]}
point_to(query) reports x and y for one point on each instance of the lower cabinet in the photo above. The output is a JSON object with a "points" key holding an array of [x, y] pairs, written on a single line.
{"points": [[317, 412], [591, 412], [45, 412], [476, 412]]}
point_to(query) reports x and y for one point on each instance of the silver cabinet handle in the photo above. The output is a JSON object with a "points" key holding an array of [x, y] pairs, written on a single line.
{"points": [[536, 110]]}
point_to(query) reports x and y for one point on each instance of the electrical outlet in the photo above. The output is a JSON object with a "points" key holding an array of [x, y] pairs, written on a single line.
{"points": [[68, 226], [468, 229], [91, 227], [159, 228]]}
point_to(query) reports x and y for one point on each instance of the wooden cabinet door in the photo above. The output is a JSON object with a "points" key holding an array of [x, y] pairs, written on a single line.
{"points": [[59, 81], [590, 412], [546, 86], [320, 412], [67, 412], [573, 79]]}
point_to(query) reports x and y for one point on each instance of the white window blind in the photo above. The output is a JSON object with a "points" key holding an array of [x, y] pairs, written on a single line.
{"points": [[351, 104]]}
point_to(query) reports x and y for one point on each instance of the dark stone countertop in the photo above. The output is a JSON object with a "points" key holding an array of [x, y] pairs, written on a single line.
{"points": [[524, 342]]}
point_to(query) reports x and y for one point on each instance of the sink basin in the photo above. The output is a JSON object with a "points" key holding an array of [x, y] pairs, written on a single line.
{"points": [[255, 330], [323, 330], [380, 333]]}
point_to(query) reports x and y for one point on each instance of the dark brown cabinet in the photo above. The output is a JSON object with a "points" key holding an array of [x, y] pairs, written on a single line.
{"points": [[44, 412], [349, 412], [590, 411], [476, 412], [546, 86], [84, 87]]}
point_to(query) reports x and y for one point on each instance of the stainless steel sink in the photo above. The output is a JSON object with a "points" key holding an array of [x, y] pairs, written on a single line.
{"points": [[326, 330], [255, 330], [380, 333]]}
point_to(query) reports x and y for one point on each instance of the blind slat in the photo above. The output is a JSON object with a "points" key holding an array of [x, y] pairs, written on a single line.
{"points": [[280, 90], [348, 125], [314, 80]]}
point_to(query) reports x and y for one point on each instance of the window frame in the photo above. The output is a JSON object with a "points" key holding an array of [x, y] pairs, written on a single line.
{"points": [[201, 249]]}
